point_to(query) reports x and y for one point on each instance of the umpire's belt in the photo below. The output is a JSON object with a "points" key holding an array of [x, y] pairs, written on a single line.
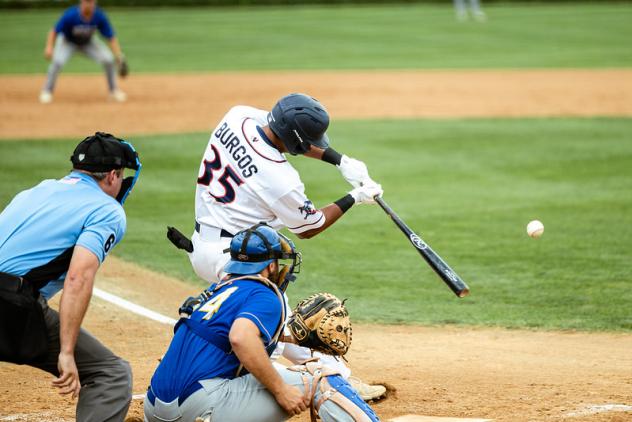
{"points": [[210, 233], [11, 283], [181, 398]]}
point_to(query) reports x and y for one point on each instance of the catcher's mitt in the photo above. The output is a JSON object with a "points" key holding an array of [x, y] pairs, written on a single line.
{"points": [[321, 322], [123, 68]]}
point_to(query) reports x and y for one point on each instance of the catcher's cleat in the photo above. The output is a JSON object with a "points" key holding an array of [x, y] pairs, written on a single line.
{"points": [[367, 391]]}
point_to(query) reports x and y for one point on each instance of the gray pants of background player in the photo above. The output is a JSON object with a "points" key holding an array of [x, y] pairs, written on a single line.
{"points": [[106, 379], [242, 399], [460, 7], [95, 49]]}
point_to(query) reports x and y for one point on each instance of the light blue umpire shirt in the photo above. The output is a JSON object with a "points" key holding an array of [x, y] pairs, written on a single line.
{"points": [[41, 225]]}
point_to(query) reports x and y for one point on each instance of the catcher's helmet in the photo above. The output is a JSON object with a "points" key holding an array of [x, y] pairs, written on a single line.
{"points": [[299, 121], [253, 249]]}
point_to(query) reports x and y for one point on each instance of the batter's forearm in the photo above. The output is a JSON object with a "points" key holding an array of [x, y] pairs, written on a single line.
{"points": [[332, 213]]}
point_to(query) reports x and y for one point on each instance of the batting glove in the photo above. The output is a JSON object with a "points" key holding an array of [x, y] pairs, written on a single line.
{"points": [[366, 193], [354, 171]]}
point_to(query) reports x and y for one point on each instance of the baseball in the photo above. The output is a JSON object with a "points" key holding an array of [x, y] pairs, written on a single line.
{"points": [[535, 229]]}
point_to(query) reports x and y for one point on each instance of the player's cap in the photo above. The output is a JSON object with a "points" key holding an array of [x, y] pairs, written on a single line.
{"points": [[299, 121], [253, 249], [104, 152]]}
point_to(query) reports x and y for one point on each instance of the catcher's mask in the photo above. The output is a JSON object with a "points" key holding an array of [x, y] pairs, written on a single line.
{"points": [[253, 249], [299, 121], [103, 152]]}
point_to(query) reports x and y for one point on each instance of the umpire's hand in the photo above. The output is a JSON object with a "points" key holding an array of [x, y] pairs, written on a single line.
{"points": [[68, 380]]}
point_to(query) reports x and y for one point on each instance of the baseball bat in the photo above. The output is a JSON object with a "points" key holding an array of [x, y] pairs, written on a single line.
{"points": [[443, 270]]}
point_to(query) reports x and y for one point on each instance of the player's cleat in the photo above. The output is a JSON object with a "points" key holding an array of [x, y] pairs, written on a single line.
{"points": [[367, 391], [480, 16], [45, 97], [118, 95]]}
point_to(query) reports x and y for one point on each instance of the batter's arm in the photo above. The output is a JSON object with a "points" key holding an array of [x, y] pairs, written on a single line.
{"points": [[245, 341], [72, 308], [331, 214]]}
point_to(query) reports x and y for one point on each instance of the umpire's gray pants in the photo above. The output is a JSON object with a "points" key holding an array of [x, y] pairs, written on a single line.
{"points": [[242, 399], [106, 379], [94, 49]]}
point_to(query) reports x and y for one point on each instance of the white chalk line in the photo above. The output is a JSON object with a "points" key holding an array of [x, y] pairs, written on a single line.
{"points": [[592, 409], [132, 307]]}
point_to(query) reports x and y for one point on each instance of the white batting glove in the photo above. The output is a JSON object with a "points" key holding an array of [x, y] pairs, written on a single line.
{"points": [[365, 194], [354, 171]]}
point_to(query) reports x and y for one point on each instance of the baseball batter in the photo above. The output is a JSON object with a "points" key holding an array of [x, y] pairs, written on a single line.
{"points": [[74, 32], [217, 367], [244, 179]]}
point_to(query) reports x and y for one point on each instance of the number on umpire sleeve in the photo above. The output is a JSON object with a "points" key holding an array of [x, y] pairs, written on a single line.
{"points": [[108, 243]]}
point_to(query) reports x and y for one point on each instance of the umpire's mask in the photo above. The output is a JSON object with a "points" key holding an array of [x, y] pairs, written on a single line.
{"points": [[103, 152]]}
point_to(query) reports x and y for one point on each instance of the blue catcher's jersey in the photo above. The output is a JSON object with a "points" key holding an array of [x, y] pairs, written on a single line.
{"points": [[41, 225], [79, 31], [191, 358]]}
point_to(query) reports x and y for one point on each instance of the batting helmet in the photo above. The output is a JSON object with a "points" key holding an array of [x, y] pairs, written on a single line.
{"points": [[299, 121], [253, 249]]}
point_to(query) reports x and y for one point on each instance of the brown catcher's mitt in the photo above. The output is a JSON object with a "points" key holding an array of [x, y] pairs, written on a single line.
{"points": [[321, 322]]}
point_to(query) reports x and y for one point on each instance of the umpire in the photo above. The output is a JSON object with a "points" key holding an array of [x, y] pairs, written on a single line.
{"points": [[53, 236]]}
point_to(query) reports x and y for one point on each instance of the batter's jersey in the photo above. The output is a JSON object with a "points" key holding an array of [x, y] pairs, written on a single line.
{"points": [[78, 30], [41, 226], [244, 180], [191, 358]]}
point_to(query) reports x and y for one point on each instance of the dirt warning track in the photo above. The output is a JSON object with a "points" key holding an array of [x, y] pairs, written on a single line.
{"points": [[193, 102]]}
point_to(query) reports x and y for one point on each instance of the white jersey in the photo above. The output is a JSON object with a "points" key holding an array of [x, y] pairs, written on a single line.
{"points": [[243, 180]]}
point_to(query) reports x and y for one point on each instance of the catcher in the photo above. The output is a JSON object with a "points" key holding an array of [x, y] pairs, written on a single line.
{"points": [[218, 365]]}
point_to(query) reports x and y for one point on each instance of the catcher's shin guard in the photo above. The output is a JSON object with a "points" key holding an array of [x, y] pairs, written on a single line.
{"points": [[327, 384]]}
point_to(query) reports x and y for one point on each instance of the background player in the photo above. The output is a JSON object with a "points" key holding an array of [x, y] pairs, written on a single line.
{"points": [[53, 236], [74, 32], [217, 366], [245, 179]]}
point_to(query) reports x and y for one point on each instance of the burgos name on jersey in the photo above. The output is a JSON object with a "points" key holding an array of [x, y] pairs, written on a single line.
{"points": [[233, 146]]}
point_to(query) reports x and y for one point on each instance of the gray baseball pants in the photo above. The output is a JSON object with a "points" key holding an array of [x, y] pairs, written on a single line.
{"points": [[95, 49], [242, 399], [106, 379]]}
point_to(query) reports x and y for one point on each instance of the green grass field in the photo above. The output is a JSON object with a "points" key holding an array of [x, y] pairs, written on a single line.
{"points": [[468, 186], [347, 37]]}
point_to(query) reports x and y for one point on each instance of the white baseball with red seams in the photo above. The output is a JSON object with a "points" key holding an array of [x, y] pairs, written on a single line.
{"points": [[535, 229]]}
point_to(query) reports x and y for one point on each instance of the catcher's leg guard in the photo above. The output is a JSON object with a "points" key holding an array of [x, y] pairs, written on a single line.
{"points": [[324, 387]]}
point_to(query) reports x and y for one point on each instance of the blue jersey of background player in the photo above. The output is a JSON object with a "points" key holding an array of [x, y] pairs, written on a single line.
{"points": [[74, 32], [77, 29]]}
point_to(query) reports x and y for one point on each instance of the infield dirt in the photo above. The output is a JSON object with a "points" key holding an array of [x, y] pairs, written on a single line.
{"points": [[194, 102], [505, 375]]}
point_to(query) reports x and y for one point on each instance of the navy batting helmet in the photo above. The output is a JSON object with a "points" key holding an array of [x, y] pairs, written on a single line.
{"points": [[299, 121], [253, 249]]}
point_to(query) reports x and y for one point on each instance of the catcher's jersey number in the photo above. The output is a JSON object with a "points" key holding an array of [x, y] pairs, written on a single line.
{"points": [[212, 306], [229, 174]]}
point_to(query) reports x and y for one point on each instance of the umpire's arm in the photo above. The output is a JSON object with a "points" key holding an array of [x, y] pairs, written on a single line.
{"points": [[74, 303]]}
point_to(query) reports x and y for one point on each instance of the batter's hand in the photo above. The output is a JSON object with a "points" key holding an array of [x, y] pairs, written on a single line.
{"points": [[354, 171], [68, 380], [366, 193], [292, 400]]}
